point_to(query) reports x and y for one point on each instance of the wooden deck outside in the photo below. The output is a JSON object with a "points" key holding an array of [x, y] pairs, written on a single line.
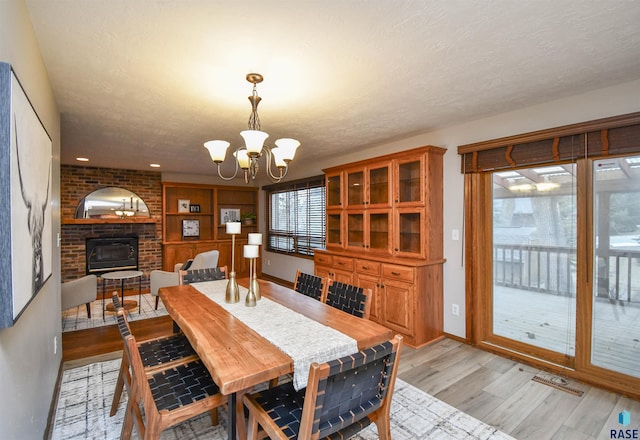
{"points": [[548, 321]]}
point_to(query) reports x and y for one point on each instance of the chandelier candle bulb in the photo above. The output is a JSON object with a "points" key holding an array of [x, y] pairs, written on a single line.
{"points": [[233, 228], [255, 238]]}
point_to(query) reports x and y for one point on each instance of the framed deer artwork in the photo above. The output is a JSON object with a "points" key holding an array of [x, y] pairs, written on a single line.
{"points": [[26, 230]]}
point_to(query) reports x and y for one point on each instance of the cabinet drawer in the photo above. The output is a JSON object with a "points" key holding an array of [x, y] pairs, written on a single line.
{"points": [[323, 260], [403, 273], [343, 263], [368, 267]]}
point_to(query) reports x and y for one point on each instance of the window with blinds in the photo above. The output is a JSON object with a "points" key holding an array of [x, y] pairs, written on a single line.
{"points": [[296, 216]]}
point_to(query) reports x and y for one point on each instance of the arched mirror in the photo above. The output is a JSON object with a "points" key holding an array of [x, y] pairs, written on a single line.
{"points": [[112, 202]]}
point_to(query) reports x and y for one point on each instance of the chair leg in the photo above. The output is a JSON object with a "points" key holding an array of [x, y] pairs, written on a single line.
{"points": [[384, 428], [252, 427], [118, 391], [157, 301], [127, 424], [214, 417], [88, 310]]}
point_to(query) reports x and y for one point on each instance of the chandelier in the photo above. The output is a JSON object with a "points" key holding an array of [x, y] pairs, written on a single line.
{"points": [[247, 156]]}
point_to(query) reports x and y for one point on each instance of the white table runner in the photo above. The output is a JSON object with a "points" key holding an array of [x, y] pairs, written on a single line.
{"points": [[301, 338]]}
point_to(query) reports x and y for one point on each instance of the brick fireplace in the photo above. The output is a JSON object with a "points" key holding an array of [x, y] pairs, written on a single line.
{"points": [[75, 183]]}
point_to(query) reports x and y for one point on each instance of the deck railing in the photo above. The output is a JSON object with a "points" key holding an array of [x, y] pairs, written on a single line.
{"points": [[552, 269]]}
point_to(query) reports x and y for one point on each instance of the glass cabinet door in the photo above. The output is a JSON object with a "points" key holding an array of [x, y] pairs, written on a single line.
{"points": [[334, 228], [334, 190], [410, 178], [355, 230], [379, 232], [410, 224], [355, 188], [379, 186]]}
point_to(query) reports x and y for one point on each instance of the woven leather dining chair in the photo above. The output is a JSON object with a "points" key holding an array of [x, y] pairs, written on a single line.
{"points": [[169, 396], [351, 299], [310, 285], [199, 275], [157, 354], [342, 397]]}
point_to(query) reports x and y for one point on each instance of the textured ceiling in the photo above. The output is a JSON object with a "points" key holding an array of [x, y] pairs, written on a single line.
{"points": [[148, 81]]}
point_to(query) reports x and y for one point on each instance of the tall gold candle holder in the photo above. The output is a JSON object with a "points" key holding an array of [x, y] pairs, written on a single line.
{"points": [[255, 238], [251, 252], [233, 293]]}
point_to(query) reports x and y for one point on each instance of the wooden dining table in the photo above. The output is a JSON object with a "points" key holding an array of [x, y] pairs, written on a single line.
{"points": [[237, 357]]}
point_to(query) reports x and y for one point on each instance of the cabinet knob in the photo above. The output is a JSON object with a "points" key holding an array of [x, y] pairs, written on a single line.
{"points": [[397, 249], [397, 201], [365, 267], [395, 273]]}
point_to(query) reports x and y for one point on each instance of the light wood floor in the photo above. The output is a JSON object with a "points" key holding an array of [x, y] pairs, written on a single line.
{"points": [[496, 390], [500, 392]]}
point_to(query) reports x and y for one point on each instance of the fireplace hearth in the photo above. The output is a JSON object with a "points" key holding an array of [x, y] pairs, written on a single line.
{"points": [[108, 254]]}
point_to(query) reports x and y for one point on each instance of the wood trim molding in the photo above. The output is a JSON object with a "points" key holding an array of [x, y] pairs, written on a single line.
{"points": [[549, 133]]}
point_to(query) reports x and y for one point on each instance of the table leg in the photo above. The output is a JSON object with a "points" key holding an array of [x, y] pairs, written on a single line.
{"points": [[103, 281], [231, 417]]}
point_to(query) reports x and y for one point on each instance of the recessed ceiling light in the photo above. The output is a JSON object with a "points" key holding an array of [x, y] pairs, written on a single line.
{"points": [[82, 159], [154, 165]]}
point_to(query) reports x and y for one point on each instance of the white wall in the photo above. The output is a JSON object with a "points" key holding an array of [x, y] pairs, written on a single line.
{"points": [[611, 101], [28, 365]]}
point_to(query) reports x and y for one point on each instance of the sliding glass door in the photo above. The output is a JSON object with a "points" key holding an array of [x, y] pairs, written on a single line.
{"points": [[534, 258], [615, 321], [537, 299]]}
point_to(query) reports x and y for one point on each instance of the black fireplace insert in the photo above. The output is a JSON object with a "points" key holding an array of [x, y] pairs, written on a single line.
{"points": [[108, 254]]}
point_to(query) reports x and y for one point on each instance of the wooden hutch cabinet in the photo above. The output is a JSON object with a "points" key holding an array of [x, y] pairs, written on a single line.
{"points": [[202, 207], [384, 232]]}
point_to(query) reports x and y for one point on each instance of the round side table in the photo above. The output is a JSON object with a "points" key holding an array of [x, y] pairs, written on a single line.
{"points": [[122, 275]]}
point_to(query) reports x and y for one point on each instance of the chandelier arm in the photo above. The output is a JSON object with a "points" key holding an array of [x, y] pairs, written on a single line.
{"points": [[270, 174], [227, 178]]}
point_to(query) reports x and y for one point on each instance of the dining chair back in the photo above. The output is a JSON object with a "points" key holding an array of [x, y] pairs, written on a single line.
{"points": [[157, 353], [310, 285], [169, 396], [207, 274], [342, 397], [351, 299]]}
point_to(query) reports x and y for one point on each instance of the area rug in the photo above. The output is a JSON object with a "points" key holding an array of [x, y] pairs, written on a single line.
{"points": [[76, 318], [86, 392]]}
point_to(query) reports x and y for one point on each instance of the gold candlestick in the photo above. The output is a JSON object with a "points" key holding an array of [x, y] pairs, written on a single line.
{"points": [[250, 300], [233, 293]]}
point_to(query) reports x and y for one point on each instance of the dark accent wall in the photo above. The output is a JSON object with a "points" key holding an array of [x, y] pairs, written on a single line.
{"points": [[75, 183]]}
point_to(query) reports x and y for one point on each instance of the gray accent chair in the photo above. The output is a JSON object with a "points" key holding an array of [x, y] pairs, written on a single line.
{"points": [[81, 291], [203, 260], [161, 278]]}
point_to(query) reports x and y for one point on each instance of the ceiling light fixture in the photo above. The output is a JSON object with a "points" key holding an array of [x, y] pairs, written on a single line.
{"points": [[246, 157]]}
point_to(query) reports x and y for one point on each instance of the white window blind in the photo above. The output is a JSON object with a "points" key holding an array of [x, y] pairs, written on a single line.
{"points": [[296, 216]]}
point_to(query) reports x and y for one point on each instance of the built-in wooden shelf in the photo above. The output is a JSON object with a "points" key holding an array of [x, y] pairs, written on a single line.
{"points": [[107, 221]]}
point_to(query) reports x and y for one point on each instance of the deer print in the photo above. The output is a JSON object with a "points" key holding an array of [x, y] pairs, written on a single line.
{"points": [[36, 207]]}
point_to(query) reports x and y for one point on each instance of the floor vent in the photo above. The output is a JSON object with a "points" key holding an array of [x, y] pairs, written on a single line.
{"points": [[558, 382]]}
